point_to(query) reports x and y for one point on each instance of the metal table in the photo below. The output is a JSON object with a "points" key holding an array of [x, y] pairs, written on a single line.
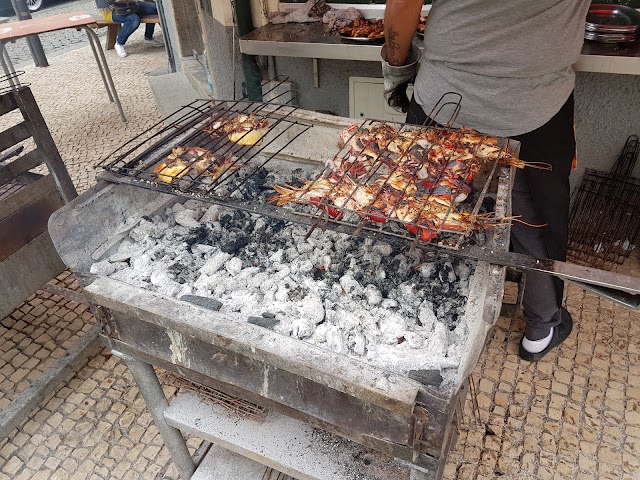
{"points": [[10, 32], [312, 40]]}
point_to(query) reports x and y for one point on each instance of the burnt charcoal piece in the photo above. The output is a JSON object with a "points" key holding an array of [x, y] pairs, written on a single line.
{"points": [[298, 293], [318, 273], [426, 377], [385, 286], [277, 226], [234, 246], [201, 235], [204, 302], [264, 322], [488, 204]]}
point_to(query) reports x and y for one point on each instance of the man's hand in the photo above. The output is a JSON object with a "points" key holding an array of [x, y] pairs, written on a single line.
{"points": [[397, 79], [399, 56]]}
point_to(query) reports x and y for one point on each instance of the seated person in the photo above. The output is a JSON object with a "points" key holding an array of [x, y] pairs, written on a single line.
{"points": [[130, 23]]}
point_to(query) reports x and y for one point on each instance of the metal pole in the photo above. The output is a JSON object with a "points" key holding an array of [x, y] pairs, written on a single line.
{"points": [[153, 395], [33, 41], [105, 66]]}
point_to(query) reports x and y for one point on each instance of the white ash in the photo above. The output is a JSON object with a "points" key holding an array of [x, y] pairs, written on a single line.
{"points": [[350, 295]]}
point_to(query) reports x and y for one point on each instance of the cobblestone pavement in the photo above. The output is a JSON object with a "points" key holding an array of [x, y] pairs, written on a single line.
{"points": [[54, 43], [574, 415]]}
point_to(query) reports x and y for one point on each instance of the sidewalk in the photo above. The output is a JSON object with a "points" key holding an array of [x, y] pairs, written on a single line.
{"points": [[575, 415]]}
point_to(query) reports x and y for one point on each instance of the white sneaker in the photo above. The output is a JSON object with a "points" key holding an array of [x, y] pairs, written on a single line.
{"points": [[153, 43], [120, 50]]}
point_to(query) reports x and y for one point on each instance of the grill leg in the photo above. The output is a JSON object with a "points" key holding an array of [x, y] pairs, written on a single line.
{"points": [[153, 395]]}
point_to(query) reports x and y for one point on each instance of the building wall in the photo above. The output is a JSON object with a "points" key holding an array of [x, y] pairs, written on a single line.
{"points": [[607, 112]]}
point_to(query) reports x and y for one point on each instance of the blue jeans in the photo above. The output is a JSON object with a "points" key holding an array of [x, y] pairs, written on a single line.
{"points": [[132, 21]]}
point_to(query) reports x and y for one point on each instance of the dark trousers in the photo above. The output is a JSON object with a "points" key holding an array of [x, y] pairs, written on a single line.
{"points": [[540, 197], [131, 22]]}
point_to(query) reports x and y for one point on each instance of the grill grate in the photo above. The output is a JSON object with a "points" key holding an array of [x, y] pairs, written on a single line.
{"points": [[604, 220], [373, 177], [229, 165]]}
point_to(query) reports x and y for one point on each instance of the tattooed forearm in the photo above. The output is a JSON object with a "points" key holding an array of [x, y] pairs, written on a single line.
{"points": [[400, 22], [394, 52]]}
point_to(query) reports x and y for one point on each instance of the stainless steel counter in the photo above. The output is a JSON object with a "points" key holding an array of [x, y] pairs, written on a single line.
{"points": [[314, 41]]}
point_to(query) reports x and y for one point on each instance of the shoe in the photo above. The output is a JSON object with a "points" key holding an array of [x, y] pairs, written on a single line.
{"points": [[153, 43], [120, 50], [560, 334]]}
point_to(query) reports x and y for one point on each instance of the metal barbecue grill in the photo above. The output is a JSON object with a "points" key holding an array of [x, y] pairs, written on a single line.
{"points": [[134, 164], [408, 418]]}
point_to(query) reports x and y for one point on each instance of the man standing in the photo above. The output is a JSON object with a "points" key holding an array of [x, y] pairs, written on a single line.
{"points": [[511, 62]]}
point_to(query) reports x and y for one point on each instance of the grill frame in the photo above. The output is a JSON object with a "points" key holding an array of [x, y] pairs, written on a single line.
{"points": [[133, 164]]}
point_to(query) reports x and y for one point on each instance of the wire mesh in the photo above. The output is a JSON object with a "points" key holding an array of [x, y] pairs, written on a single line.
{"points": [[421, 183], [604, 221], [11, 81], [605, 224], [195, 152], [406, 181]]}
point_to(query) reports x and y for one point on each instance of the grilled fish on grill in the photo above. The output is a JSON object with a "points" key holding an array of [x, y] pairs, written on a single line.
{"points": [[242, 129], [194, 161]]}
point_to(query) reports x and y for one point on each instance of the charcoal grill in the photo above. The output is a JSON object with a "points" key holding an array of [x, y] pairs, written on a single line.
{"points": [[412, 421], [403, 418]]}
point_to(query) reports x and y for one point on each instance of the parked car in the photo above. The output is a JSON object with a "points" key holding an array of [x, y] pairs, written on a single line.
{"points": [[6, 9]]}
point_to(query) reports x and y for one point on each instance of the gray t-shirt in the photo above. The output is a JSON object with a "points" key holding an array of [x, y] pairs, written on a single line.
{"points": [[509, 59]]}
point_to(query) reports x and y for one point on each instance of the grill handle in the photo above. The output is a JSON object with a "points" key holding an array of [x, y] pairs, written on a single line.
{"points": [[620, 288]]}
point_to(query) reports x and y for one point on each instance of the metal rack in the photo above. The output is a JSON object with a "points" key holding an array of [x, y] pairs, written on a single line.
{"points": [[604, 219], [199, 125]]}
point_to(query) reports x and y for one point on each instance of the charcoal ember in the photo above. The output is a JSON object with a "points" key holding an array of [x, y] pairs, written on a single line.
{"points": [[386, 286], [177, 269], [205, 302], [389, 304], [201, 235], [298, 293], [350, 285], [264, 322], [427, 269], [214, 263], [446, 273], [276, 226], [233, 266], [234, 220], [400, 268], [234, 246], [212, 214], [318, 273], [373, 295]]}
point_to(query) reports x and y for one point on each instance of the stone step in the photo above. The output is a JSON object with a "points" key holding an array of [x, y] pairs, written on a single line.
{"points": [[280, 442]]}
